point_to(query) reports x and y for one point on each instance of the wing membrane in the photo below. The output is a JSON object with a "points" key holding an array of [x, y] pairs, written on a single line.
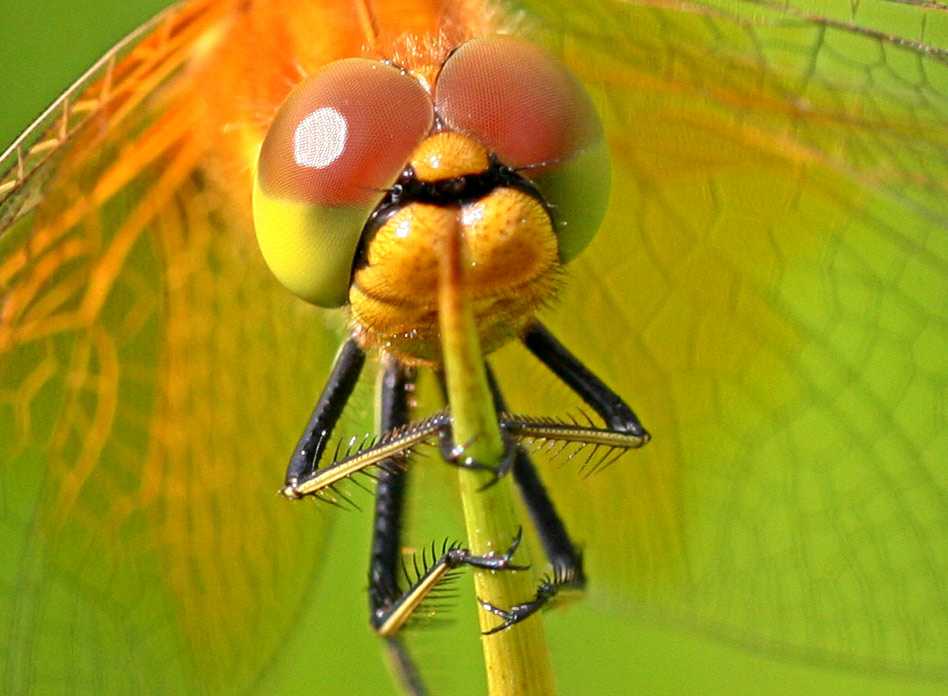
{"points": [[131, 69], [769, 292], [144, 417]]}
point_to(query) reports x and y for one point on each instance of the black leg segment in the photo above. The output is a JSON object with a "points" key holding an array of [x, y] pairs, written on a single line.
{"points": [[386, 555], [559, 548], [343, 377], [591, 389]]}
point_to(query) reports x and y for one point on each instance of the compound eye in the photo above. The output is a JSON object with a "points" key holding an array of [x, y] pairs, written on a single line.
{"points": [[517, 100], [344, 134], [528, 109], [338, 141]]}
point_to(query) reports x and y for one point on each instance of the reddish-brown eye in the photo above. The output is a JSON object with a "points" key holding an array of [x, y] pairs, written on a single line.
{"points": [[517, 100], [344, 134]]}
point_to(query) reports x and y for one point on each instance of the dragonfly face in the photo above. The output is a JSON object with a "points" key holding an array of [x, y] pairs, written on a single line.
{"points": [[768, 285]]}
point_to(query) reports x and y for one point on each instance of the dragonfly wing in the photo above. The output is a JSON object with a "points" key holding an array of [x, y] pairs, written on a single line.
{"points": [[769, 292], [144, 420]]}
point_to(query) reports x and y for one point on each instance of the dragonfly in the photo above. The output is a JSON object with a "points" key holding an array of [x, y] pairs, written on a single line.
{"points": [[768, 284]]}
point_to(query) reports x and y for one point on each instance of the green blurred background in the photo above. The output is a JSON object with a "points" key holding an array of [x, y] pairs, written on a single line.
{"points": [[43, 46]]}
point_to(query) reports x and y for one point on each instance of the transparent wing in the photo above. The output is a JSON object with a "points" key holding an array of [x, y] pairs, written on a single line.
{"points": [[144, 417], [770, 291]]}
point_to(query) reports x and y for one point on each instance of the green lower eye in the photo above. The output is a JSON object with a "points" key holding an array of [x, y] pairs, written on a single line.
{"points": [[337, 142], [309, 248], [577, 191]]}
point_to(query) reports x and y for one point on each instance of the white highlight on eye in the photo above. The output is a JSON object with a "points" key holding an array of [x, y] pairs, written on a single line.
{"points": [[320, 138]]}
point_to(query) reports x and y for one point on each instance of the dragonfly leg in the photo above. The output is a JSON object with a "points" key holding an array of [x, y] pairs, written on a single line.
{"points": [[390, 450], [390, 488], [560, 551], [387, 527], [455, 453], [623, 431], [565, 559], [404, 667], [390, 607], [343, 377], [563, 556], [545, 592], [390, 616], [609, 405]]}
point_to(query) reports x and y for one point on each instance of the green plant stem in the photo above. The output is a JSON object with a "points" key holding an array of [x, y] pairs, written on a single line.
{"points": [[517, 660]]}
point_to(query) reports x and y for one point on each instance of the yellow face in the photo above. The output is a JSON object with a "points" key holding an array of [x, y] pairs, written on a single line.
{"points": [[512, 252], [367, 166]]}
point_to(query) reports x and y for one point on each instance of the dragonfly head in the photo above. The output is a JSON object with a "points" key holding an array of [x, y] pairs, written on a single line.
{"points": [[365, 167]]}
